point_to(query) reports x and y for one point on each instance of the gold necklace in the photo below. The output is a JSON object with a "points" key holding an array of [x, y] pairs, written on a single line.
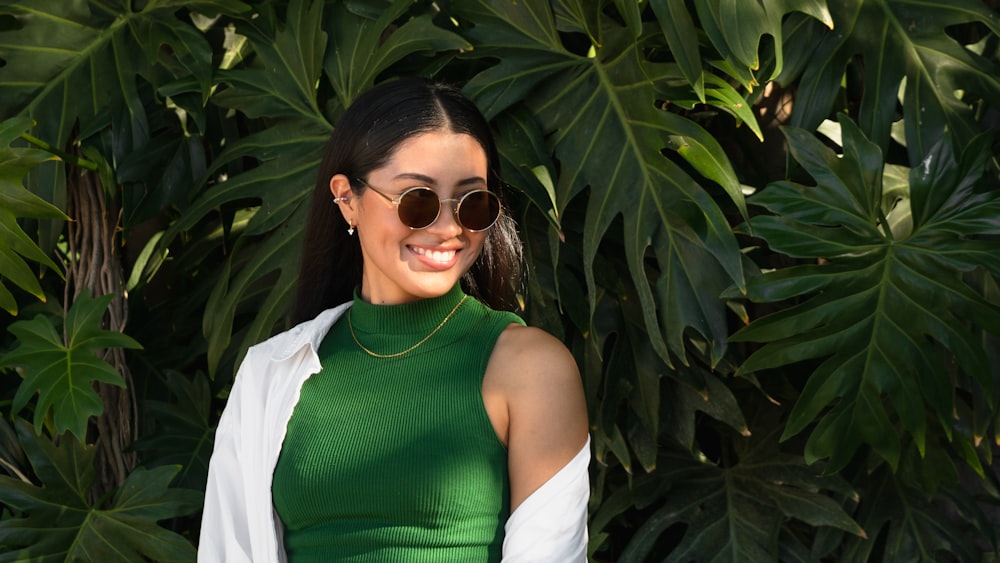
{"points": [[411, 348]]}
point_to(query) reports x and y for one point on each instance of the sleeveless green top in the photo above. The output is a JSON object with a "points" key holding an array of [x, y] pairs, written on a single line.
{"points": [[395, 459]]}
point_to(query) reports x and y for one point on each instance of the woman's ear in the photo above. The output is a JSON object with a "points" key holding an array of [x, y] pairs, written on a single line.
{"points": [[340, 187]]}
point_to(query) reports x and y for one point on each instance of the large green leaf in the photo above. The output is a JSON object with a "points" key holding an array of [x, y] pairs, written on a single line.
{"points": [[15, 244], [281, 183], [68, 60], [662, 402], [880, 305], [735, 30], [362, 51], [280, 79], [897, 39], [682, 37], [621, 371], [77, 66], [56, 522], [73, 67], [732, 513], [602, 121], [183, 435], [903, 524], [62, 371]]}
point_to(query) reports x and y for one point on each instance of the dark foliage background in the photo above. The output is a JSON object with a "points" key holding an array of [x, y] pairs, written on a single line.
{"points": [[767, 229]]}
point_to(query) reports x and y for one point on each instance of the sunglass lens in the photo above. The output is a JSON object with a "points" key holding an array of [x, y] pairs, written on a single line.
{"points": [[478, 210], [419, 208]]}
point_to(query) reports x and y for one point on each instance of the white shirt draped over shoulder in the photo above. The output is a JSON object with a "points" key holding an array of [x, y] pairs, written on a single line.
{"points": [[239, 523]]}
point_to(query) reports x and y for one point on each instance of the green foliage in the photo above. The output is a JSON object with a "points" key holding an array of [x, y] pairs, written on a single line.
{"points": [[611, 143], [62, 369], [850, 313], [912, 525], [15, 244], [735, 31], [183, 434], [78, 66], [734, 513], [279, 86], [56, 522], [881, 300], [900, 39]]}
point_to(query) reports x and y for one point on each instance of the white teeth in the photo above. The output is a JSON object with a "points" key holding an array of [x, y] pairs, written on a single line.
{"points": [[436, 255]]}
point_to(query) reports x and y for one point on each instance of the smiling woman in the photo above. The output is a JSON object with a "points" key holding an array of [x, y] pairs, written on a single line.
{"points": [[432, 425], [404, 262]]}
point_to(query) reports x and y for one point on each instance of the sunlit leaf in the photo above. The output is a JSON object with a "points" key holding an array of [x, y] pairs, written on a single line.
{"points": [[735, 30], [15, 245], [282, 80], [897, 39]]}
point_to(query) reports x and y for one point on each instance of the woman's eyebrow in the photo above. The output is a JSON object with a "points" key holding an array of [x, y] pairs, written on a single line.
{"points": [[473, 181]]}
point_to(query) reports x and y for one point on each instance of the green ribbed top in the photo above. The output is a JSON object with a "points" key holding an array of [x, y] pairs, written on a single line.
{"points": [[395, 459]]}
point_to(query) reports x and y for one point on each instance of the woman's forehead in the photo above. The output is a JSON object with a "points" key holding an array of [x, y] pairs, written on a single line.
{"points": [[431, 155]]}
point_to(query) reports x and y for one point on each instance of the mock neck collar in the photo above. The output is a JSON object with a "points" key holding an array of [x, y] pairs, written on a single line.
{"points": [[420, 316]]}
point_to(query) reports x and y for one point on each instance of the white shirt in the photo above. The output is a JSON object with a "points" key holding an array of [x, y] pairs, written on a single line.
{"points": [[239, 522]]}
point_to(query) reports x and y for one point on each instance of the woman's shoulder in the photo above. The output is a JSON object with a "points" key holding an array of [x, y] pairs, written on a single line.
{"points": [[534, 339], [528, 357], [540, 383]]}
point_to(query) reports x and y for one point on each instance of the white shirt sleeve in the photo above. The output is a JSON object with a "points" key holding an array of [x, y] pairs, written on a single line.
{"points": [[238, 523], [225, 530], [551, 524]]}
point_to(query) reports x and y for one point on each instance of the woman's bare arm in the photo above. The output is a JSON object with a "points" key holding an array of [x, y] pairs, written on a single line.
{"points": [[532, 382]]}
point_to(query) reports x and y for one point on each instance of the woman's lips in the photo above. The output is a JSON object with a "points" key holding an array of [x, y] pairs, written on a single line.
{"points": [[438, 258]]}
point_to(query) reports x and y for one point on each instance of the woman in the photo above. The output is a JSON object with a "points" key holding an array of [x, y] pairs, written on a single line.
{"points": [[406, 418]]}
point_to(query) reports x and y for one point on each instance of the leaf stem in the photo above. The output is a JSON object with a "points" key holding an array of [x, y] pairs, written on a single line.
{"points": [[82, 163], [885, 223]]}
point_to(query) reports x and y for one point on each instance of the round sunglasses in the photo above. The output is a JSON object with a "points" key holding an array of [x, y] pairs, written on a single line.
{"points": [[419, 207]]}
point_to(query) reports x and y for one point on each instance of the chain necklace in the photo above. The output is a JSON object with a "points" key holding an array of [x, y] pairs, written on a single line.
{"points": [[411, 348]]}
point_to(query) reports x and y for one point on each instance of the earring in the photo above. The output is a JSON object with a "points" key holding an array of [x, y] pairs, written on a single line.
{"points": [[350, 230], [339, 199]]}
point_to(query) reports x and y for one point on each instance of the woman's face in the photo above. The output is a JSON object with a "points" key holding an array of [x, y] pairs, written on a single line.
{"points": [[402, 264]]}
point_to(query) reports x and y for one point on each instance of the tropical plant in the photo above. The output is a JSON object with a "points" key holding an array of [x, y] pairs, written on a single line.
{"points": [[767, 229]]}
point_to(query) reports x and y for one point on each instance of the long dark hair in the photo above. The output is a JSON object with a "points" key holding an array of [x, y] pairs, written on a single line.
{"points": [[364, 139]]}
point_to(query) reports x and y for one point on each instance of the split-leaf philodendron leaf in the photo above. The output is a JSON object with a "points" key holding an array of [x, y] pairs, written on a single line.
{"points": [[62, 371], [877, 304], [55, 521]]}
